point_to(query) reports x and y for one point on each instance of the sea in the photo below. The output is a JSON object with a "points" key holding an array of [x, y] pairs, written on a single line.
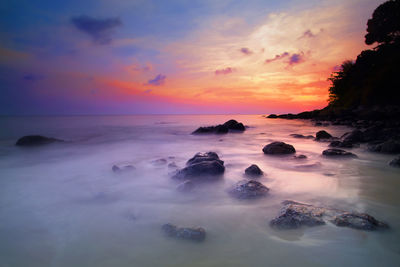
{"points": [[62, 205]]}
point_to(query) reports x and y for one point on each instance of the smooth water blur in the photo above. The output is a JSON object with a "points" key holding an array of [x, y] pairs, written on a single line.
{"points": [[61, 205]]}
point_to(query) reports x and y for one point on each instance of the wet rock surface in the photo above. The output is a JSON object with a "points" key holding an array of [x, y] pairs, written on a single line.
{"points": [[278, 148], [248, 190], [36, 140], [295, 214], [195, 234], [202, 167], [334, 152], [231, 125], [253, 171]]}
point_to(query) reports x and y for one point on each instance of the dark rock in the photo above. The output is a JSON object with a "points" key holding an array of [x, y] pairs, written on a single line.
{"points": [[36, 140], [276, 148], [172, 165], [202, 167], [272, 116], [302, 136], [294, 215], [342, 144], [248, 190], [122, 168], [322, 135], [301, 156], [195, 234], [355, 136], [231, 125], [159, 162], [361, 221], [334, 152], [253, 170], [395, 162], [390, 147], [186, 186]]}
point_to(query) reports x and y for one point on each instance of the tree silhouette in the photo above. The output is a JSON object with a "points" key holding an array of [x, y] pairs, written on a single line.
{"points": [[384, 26]]}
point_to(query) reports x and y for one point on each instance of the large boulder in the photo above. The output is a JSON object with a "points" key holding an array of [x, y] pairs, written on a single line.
{"points": [[202, 167], [248, 190], [36, 140], [294, 215], [231, 125], [189, 233], [253, 171], [334, 152], [323, 135], [276, 148]]}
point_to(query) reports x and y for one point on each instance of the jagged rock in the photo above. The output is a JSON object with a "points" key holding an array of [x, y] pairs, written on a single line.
{"points": [[276, 148], [248, 190], [122, 168], [334, 152], [202, 167], [253, 171], [294, 215], [195, 234], [395, 162], [302, 136], [36, 140], [321, 135], [231, 125]]}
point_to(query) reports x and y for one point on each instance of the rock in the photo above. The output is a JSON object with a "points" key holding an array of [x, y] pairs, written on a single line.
{"points": [[302, 136], [36, 140], [334, 152], [322, 135], [159, 162], [361, 221], [231, 125], [301, 156], [395, 162], [276, 148], [253, 170], [272, 116], [355, 136], [172, 165], [122, 168], [342, 144], [294, 215], [186, 186], [195, 234], [248, 190], [390, 147], [202, 167]]}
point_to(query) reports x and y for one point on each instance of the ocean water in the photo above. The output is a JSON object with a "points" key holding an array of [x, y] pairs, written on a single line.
{"points": [[61, 204]]}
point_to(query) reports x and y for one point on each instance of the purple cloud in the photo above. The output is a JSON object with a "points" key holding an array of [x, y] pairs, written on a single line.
{"points": [[246, 51], [308, 34], [296, 58], [224, 71], [158, 80], [100, 30], [277, 57]]}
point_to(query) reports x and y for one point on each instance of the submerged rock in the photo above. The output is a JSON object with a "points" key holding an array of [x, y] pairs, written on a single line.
{"points": [[276, 148], [159, 162], [195, 234], [395, 162], [203, 166], [122, 168], [302, 136], [301, 156], [253, 171], [36, 140], [294, 215], [322, 135], [334, 152], [248, 190], [231, 125]]}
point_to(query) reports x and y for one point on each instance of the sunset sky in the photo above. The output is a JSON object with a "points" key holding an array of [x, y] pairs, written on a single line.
{"points": [[168, 57]]}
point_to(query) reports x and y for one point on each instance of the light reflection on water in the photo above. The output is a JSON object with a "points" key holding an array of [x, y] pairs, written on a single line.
{"points": [[61, 205]]}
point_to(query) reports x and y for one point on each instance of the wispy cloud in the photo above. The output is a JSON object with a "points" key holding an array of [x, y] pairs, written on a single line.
{"points": [[246, 51], [224, 71], [158, 80], [296, 58], [277, 57], [100, 30]]}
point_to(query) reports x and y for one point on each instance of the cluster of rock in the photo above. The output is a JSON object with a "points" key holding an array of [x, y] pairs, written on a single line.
{"points": [[36, 140], [294, 215], [229, 126]]}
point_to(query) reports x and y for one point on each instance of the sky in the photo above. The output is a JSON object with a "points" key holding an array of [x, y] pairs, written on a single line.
{"points": [[174, 57]]}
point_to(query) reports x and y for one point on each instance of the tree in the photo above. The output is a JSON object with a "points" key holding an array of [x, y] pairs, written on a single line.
{"points": [[384, 26]]}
